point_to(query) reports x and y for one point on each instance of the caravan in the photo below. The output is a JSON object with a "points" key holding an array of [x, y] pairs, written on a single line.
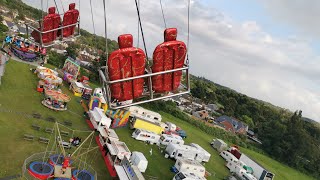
{"points": [[204, 156], [228, 156], [141, 113], [166, 139], [190, 166], [178, 151], [146, 136]]}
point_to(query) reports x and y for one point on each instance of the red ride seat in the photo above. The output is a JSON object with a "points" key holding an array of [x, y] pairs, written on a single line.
{"points": [[50, 21], [168, 55], [70, 17], [125, 62]]}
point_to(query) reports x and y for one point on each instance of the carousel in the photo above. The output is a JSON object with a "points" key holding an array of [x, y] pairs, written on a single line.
{"points": [[57, 162], [56, 100], [49, 79]]}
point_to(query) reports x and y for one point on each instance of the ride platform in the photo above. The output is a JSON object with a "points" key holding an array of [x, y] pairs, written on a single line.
{"points": [[59, 174]]}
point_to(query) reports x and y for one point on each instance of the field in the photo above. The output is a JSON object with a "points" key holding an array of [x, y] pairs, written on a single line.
{"points": [[19, 100]]}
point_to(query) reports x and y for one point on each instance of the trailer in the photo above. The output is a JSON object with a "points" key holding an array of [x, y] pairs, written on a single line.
{"points": [[116, 151], [171, 126], [235, 151], [187, 176], [127, 171], [179, 151], [146, 136], [141, 113], [190, 166], [155, 127], [258, 170], [98, 118], [107, 135], [219, 145], [204, 156], [139, 160], [228, 156], [165, 139]]}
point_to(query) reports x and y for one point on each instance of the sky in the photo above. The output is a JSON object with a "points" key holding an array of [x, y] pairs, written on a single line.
{"points": [[266, 49]]}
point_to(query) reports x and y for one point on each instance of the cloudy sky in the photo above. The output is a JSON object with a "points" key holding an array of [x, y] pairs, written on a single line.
{"points": [[267, 49]]}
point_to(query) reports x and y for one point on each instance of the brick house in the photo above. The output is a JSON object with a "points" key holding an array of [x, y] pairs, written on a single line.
{"points": [[232, 124]]}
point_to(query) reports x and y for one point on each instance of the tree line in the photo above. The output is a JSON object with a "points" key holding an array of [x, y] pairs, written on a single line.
{"points": [[285, 136]]}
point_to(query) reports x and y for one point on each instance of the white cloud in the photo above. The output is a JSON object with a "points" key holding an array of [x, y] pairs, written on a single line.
{"points": [[240, 55]]}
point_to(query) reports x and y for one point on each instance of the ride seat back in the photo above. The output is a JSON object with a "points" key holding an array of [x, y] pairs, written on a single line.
{"points": [[168, 55], [50, 21], [70, 17], [125, 62]]}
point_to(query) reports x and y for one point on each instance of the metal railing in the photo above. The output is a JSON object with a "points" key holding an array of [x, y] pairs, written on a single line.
{"points": [[60, 37], [150, 95]]}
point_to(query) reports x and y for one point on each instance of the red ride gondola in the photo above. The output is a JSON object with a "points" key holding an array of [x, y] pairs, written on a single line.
{"points": [[50, 22], [125, 62], [168, 55], [51, 28], [129, 80]]}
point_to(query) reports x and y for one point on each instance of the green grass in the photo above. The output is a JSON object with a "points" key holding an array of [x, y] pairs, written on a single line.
{"points": [[18, 94]]}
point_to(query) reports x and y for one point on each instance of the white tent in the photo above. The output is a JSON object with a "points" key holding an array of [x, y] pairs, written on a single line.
{"points": [[138, 159]]}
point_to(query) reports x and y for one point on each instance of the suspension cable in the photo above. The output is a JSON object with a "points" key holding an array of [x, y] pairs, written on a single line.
{"points": [[42, 12], [47, 4], [56, 6], [106, 32], [138, 43], [93, 25], [144, 43], [164, 19], [62, 7], [187, 61]]}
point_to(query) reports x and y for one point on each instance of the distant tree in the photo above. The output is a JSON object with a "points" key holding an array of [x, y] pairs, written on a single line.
{"points": [[248, 120], [72, 50]]}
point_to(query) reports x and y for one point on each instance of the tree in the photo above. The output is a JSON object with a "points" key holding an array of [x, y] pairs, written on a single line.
{"points": [[248, 120], [72, 50]]}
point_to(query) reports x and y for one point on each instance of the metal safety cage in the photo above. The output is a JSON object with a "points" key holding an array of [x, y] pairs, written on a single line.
{"points": [[147, 96], [59, 39]]}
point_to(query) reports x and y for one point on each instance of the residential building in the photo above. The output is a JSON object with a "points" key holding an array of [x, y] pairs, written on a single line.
{"points": [[212, 107], [203, 114], [232, 124]]}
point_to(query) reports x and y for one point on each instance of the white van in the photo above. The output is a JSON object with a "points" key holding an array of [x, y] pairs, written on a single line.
{"points": [[166, 139], [146, 136], [228, 156]]}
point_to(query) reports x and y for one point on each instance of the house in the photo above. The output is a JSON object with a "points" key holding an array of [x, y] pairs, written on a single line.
{"points": [[232, 124], [212, 107], [22, 29], [203, 114], [12, 27]]}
